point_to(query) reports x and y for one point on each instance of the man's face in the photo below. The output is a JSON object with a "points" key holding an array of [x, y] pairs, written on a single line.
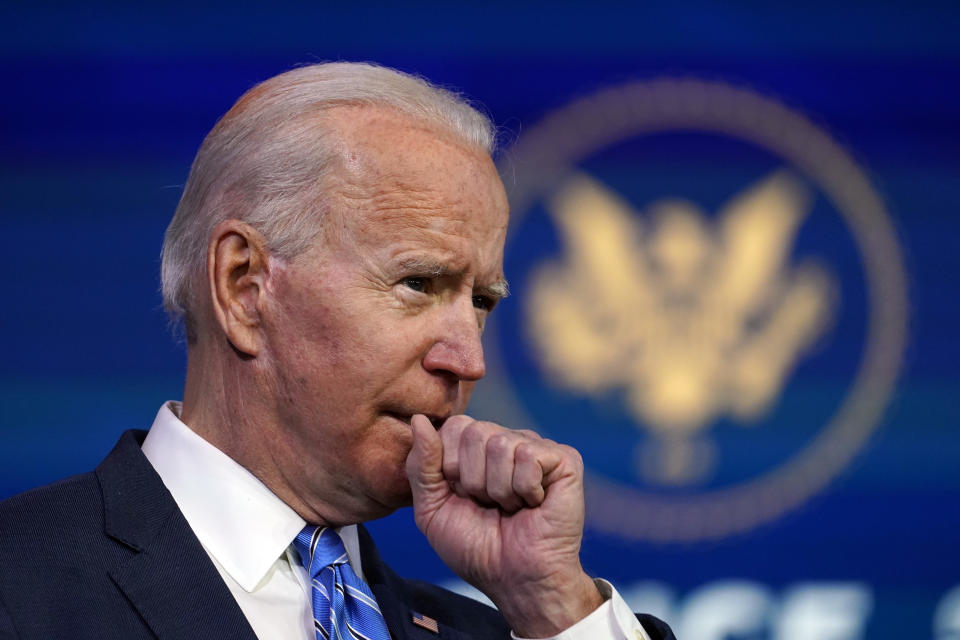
{"points": [[382, 318]]}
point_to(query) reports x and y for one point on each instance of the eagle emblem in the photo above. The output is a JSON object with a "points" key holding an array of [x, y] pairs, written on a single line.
{"points": [[690, 317]]}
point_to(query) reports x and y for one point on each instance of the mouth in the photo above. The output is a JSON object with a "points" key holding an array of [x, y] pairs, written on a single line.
{"points": [[436, 420]]}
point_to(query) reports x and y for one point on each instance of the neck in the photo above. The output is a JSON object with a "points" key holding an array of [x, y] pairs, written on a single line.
{"points": [[225, 404], [210, 399]]}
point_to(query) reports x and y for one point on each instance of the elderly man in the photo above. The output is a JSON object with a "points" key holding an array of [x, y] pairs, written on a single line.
{"points": [[335, 254]]}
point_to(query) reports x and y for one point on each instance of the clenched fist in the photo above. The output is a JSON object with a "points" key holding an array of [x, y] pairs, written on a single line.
{"points": [[504, 510]]}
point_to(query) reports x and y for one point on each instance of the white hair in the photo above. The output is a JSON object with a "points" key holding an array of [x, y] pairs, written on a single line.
{"points": [[266, 162]]}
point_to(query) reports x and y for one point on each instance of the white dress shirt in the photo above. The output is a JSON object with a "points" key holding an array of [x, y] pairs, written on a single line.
{"points": [[248, 533]]}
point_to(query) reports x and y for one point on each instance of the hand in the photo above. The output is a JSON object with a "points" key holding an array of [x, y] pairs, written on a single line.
{"points": [[504, 510]]}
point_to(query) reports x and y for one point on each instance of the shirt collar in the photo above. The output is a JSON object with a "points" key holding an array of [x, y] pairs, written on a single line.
{"points": [[243, 525]]}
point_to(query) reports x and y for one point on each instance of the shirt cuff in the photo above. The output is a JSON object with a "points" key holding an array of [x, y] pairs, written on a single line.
{"points": [[612, 620]]}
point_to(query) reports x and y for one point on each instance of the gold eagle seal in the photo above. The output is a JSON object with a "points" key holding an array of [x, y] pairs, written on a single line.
{"points": [[694, 316]]}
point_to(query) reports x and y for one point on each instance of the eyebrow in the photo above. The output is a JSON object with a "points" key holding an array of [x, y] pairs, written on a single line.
{"points": [[498, 289], [426, 267]]}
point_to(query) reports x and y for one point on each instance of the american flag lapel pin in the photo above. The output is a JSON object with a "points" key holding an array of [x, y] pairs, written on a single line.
{"points": [[426, 622]]}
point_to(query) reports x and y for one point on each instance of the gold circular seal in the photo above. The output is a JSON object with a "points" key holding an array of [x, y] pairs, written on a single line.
{"points": [[546, 155]]}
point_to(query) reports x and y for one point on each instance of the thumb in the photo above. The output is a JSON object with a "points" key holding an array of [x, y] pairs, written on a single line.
{"points": [[425, 467]]}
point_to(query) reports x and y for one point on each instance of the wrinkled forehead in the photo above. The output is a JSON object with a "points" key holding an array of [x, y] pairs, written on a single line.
{"points": [[396, 172]]}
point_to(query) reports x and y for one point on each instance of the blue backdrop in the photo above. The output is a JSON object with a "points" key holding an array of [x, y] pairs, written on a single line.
{"points": [[105, 104]]}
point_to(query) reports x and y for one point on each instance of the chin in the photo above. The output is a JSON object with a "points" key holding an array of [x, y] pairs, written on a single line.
{"points": [[398, 494], [383, 503], [401, 499], [390, 490]]}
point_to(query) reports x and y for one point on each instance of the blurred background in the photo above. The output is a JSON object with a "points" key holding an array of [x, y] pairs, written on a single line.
{"points": [[732, 258]]}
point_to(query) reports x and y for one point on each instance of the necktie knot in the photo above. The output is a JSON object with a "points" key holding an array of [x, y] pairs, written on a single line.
{"points": [[319, 547], [343, 605]]}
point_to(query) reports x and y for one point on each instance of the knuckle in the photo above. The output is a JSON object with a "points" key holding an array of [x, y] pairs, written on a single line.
{"points": [[571, 453], [455, 424], [472, 435], [499, 444], [532, 495], [526, 452], [461, 419], [501, 493], [490, 429]]}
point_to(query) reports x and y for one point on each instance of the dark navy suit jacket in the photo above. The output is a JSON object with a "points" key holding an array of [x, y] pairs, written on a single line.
{"points": [[109, 555]]}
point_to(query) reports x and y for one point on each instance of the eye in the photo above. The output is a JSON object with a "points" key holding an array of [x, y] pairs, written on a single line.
{"points": [[484, 303], [416, 283]]}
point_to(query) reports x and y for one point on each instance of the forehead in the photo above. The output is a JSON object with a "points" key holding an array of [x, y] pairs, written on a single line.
{"points": [[400, 179]]}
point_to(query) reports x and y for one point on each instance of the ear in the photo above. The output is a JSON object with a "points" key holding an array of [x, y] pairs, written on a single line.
{"points": [[237, 268]]}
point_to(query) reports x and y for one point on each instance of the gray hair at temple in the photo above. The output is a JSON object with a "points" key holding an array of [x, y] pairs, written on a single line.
{"points": [[267, 160]]}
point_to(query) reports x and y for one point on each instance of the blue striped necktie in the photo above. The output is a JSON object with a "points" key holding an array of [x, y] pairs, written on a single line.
{"points": [[343, 606]]}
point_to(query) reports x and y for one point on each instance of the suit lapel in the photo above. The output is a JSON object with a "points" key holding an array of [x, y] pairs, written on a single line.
{"points": [[166, 574]]}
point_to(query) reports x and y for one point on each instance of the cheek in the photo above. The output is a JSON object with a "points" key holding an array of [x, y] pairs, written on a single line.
{"points": [[312, 335], [377, 460]]}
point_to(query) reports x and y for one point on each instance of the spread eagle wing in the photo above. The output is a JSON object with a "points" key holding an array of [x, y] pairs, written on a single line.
{"points": [[757, 229], [585, 308]]}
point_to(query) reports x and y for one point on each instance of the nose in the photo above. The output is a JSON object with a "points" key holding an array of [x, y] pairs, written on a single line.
{"points": [[457, 351]]}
